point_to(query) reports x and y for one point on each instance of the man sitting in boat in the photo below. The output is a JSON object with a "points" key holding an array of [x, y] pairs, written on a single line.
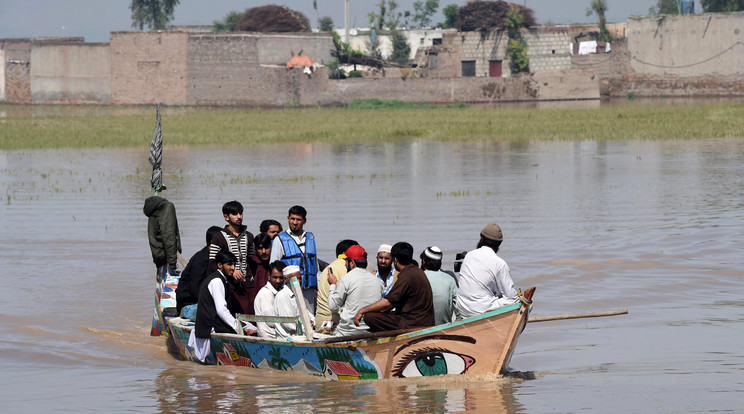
{"points": [[212, 314], [357, 289], [410, 296], [264, 303], [285, 304], [385, 271], [443, 286], [187, 292], [323, 315], [485, 281]]}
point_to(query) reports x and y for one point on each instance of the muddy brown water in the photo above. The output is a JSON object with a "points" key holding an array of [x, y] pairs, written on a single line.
{"points": [[653, 227]]}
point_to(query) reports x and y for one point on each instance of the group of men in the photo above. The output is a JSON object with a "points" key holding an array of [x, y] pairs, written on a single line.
{"points": [[239, 273]]}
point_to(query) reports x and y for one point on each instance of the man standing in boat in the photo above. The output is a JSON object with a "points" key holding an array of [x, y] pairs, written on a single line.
{"points": [[296, 247], [264, 303], [236, 239], [212, 314], [357, 289], [485, 280], [385, 271], [410, 296], [162, 232]]}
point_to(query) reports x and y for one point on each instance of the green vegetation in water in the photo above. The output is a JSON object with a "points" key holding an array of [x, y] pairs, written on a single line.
{"points": [[76, 127]]}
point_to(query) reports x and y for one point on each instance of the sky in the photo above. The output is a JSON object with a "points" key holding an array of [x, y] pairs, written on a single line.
{"points": [[95, 19]]}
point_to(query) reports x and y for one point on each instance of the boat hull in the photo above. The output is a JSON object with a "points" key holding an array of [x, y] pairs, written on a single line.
{"points": [[481, 344]]}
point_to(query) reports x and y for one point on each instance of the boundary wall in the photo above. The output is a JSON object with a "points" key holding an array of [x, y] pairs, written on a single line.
{"points": [[70, 73]]}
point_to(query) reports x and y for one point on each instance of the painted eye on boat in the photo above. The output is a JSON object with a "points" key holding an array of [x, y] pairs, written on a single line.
{"points": [[430, 362]]}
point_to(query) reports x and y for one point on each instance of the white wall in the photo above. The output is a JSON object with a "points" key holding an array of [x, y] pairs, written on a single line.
{"points": [[2, 75]]}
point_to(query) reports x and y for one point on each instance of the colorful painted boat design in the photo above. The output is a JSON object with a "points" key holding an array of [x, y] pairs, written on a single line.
{"points": [[165, 297], [481, 344]]}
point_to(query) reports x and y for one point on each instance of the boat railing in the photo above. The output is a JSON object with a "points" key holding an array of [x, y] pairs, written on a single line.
{"points": [[267, 319]]}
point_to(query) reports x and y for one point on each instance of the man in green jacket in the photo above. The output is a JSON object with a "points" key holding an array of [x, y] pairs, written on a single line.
{"points": [[162, 230]]}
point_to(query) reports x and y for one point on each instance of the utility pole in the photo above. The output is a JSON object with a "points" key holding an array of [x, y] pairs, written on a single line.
{"points": [[346, 21]]}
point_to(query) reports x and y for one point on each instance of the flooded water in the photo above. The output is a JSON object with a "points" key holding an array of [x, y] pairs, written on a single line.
{"points": [[653, 227]]}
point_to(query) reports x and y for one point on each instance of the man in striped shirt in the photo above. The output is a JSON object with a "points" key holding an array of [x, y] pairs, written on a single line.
{"points": [[236, 239]]}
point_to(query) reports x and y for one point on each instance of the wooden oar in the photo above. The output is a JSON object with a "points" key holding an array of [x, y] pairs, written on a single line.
{"points": [[181, 259], [577, 316], [294, 284]]}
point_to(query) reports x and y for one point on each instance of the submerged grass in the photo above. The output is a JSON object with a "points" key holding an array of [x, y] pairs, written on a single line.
{"points": [[133, 127]]}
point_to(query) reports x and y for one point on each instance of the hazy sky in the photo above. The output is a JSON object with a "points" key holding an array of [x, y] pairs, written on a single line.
{"points": [[94, 19]]}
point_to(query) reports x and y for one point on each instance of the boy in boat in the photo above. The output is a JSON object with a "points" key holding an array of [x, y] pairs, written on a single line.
{"points": [[236, 239], [264, 303], [243, 293], [485, 281], [323, 315], [212, 314], [187, 292], [410, 296], [296, 247], [443, 286], [285, 304], [357, 289], [385, 271], [270, 227]]}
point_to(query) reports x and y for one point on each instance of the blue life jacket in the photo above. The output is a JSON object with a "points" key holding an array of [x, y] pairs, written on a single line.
{"points": [[307, 261]]}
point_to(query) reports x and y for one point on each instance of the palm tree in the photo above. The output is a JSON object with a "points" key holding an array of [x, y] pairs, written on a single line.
{"points": [[600, 7], [278, 360]]}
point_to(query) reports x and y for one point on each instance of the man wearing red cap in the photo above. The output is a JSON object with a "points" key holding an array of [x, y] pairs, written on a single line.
{"points": [[357, 289], [485, 280]]}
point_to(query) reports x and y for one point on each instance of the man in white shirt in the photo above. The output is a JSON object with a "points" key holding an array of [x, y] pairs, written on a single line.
{"points": [[443, 286], [264, 302], [385, 269], [285, 304], [357, 289], [212, 314], [485, 280]]}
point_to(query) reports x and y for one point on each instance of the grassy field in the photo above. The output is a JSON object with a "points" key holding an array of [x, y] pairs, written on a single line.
{"points": [[63, 127]]}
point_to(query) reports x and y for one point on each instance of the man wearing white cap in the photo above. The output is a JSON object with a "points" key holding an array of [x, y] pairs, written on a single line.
{"points": [[285, 304], [443, 286], [485, 280], [385, 271]]}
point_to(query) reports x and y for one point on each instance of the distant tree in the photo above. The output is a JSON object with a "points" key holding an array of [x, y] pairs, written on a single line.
{"points": [[665, 7], [155, 14], [228, 24], [722, 5], [325, 24], [516, 47], [273, 19], [600, 8], [423, 10], [450, 15], [401, 49]]}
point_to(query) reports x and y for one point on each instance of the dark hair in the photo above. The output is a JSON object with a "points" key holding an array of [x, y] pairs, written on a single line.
{"points": [[298, 210], [344, 245], [278, 265], [225, 256], [403, 253], [493, 244], [262, 240], [264, 227], [431, 264], [211, 232], [232, 207], [361, 263]]}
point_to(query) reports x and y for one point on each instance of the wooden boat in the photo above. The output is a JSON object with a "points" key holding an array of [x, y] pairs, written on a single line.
{"points": [[480, 344]]}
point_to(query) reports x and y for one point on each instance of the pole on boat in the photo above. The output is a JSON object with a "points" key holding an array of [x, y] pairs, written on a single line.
{"points": [[307, 326], [578, 316]]}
